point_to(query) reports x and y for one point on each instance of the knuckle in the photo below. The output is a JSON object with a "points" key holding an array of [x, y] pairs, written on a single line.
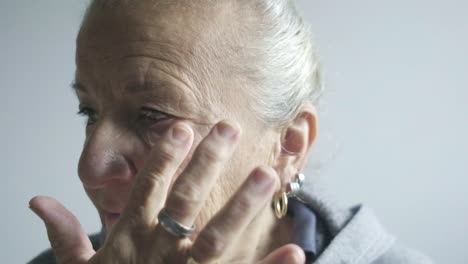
{"points": [[134, 219], [56, 244], [184, 197], [241, 206], [210, 154], [137, 213], [154, 179], [56, 241], [166, 154], [150, 178], [211, 244], [149, 181]]}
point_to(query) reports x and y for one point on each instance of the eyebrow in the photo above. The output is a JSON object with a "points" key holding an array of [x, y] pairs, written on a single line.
{"points": [[76, 86], [151, 86], [79, 87], [135, 88]]}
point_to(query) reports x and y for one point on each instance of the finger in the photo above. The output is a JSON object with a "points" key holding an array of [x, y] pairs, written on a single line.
{"points": [[67, 238], [289, 254], [153, 180], [193, 186], [224, 229]]}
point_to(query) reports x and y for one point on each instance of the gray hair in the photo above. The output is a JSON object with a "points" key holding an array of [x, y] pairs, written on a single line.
{"points": [[288, 68], [282, 61]]}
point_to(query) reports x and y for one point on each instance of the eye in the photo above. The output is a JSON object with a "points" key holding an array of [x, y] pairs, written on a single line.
{"points": [[152, 115], [89, 113]]}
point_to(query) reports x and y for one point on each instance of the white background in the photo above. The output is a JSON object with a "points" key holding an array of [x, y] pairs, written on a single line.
{"points": [[393, 129]]}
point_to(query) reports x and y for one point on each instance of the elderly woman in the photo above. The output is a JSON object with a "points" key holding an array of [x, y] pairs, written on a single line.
{"points": [[200, 119]]}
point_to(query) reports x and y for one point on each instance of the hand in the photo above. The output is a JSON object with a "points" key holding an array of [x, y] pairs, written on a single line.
{"points": [[138, 238]]}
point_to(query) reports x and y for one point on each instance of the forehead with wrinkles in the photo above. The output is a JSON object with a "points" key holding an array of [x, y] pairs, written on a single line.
{"points": [[197, 39], [201, 35]]}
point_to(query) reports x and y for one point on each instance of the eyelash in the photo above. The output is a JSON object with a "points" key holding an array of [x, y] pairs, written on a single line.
{"points": [[152, 115], [146, 114], [89, 113]]}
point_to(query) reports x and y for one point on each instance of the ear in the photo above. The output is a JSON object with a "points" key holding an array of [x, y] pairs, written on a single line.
{"points": [[295, 143]]}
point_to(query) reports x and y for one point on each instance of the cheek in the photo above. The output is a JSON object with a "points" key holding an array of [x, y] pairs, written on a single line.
{"points": [[233, 175], [245, 159]]}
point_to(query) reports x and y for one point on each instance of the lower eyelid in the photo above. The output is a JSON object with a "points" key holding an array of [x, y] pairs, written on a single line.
{"points": [[156, 131]]}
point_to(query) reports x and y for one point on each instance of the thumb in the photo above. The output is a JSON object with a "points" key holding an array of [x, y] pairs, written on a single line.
{"points": [[67, 238]]}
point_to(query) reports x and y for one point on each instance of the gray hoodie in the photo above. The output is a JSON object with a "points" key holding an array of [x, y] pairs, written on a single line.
{"points": [[356, 236], [344, 236]]}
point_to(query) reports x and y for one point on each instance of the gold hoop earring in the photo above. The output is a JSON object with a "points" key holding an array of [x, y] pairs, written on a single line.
{"points": [[280, 204]]}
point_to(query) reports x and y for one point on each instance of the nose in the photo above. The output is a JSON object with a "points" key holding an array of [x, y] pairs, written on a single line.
{"points": [[107, 157]]}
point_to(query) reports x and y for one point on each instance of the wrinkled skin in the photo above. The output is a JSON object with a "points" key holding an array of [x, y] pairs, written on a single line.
{"points": [[156, 138]]}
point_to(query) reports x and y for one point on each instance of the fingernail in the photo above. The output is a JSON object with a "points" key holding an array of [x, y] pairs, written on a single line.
{"points": [[261, 181], [181, 133], [226, 131]]}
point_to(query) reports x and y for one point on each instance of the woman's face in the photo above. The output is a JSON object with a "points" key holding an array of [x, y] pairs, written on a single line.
{"points": [[139, 72]]}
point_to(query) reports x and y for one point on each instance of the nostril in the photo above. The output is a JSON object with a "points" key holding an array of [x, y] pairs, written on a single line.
{"points": [[98, 170]]}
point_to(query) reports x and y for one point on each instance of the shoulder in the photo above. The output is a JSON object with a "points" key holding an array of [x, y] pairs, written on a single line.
{"points": [[357, 236], [48, 257], [402, 255]]}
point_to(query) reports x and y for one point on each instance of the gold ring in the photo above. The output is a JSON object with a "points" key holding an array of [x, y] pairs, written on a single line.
{"points": [[191, 260]]}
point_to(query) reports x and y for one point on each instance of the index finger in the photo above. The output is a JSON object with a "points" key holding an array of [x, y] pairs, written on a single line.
{"points": [[153, 180]]}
